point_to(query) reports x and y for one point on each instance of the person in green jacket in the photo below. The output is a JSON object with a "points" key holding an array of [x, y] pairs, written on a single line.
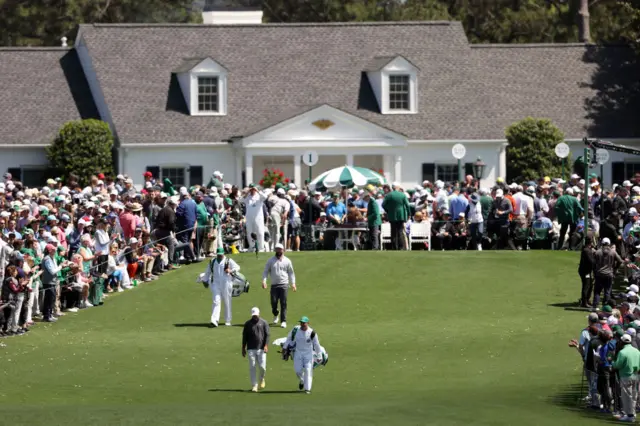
{"points": [[627, 364], [396, 205], [374, 220], [202, 222], [568, 211], [485, 203]]}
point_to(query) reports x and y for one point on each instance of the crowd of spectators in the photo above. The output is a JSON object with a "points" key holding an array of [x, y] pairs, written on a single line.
{"points": [[66, 246]]}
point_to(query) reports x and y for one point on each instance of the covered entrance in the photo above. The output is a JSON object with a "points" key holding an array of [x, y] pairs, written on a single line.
{"points": [[338, 138]]}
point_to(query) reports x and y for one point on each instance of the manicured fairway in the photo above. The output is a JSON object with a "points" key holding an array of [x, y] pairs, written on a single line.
{"points": [[416, 338]]}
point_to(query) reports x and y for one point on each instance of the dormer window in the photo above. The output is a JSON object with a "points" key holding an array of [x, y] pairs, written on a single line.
{"points": [[394, 81], [399, 92], [203, 82], [208, 94]]}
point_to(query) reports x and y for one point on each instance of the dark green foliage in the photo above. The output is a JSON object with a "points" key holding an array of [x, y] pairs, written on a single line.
{"points": [[84, 148]]}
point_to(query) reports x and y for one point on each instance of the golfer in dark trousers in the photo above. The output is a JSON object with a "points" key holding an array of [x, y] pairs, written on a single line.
{"points": [[585, 270], [606, 263], [281, 270], [396, 205]]}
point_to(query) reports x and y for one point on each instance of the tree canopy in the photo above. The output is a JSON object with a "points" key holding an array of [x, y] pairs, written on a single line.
{"points": [[45, 22]]}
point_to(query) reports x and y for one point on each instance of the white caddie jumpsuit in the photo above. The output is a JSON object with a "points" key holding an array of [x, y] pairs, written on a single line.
{"points": [[255, 218], [220, 285], [303, 356]]}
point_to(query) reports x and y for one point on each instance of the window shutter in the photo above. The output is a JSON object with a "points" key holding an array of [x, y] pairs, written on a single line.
{"points": [[195, 175], [155, 171], [468, 169], [617, 172], [428, 171], [16, 173]]}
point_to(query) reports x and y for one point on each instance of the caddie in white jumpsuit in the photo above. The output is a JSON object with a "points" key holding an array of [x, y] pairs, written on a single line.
{"points": [[305, 343], [218, 275], [255, 216]]}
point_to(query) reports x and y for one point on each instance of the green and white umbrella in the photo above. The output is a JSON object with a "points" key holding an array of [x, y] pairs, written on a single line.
{"points": [[346, 176]]}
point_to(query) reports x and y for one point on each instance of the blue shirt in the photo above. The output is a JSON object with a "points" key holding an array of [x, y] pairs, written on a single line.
{"points": [[186, 214], [458, 205], [543, 223], [338, 210]]}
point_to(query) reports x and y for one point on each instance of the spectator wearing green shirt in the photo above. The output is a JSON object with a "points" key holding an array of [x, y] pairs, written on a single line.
{"points": [[202, 222], [627, 364], [374, 221]]}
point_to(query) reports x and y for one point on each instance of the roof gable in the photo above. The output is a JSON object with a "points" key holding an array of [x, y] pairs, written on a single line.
{"points": [[390, 63], [322, 124], [199, 65]]}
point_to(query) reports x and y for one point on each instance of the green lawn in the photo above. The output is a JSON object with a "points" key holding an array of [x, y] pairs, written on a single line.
{"points": [[414, 338]]}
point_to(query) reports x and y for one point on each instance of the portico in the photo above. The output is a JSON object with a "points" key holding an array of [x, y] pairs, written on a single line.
{"points": [[338, 138]]}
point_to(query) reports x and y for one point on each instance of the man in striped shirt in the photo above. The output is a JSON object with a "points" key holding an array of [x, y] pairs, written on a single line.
{"points": [[281, 270]]}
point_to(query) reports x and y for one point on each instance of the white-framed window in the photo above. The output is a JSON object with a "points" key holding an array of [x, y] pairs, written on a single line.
{"points": [[395, 85], [446, 172], [400, 92], [177, 175], [208, 94]]}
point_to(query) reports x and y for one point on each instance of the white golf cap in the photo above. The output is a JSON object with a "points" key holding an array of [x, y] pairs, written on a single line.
{"points": [[575, 176], [280, 191], [633, 288], [183, 190], [626, 338], [581, 182], [606, 241], [255, 311], [133, 240], [626, 183], [279, 246], [292, 186]]}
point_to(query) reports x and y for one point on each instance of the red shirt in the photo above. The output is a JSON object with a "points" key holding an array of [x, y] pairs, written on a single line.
{"points": [[128, 224]]}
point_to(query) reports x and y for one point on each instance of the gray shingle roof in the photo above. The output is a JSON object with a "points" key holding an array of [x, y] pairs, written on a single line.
{"points": [[465, 92], [274, 68], [42, 88], [585, 90]]}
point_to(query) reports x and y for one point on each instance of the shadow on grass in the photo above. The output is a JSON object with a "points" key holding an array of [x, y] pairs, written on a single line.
{"points": [[569, 399], [248, 391], [196, 324], [570, 306]]}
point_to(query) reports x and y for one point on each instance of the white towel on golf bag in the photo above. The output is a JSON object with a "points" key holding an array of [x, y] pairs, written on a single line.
{"points": [[319, 358]]}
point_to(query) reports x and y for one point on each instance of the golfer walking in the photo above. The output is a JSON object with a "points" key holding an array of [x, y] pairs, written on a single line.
{"points": [[255, 338], [281, 270], [218, 277], [303, 340]]}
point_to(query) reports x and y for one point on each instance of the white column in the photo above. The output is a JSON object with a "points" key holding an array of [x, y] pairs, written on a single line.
{"points": [[248, 167], [386, 167], [350, 160], [397, 175], [502, 163], [297, 170], [238, 181]]}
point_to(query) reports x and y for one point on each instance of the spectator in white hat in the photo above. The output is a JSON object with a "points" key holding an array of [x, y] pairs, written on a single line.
{"points": [[255, 341]]}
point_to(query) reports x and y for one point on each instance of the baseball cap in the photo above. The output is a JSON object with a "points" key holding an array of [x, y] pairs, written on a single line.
{"points": [[280, 191], [626, 338], [633, 288], [593, 317], [220, 250], [304, 319], [606, 241], [49, 247], [255, 312], [607, 308], [133, 240], [279, 246]]}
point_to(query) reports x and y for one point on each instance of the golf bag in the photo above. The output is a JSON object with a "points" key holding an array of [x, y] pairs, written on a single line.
{"points": [[320, 358], [240, 284]]}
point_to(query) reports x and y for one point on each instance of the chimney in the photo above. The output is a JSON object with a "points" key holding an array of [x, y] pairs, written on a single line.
{"points": [[232, 12], [64, 41]]}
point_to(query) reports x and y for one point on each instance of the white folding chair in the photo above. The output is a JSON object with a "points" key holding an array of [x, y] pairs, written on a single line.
{"points": [[420, 232], [385, 234]]}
